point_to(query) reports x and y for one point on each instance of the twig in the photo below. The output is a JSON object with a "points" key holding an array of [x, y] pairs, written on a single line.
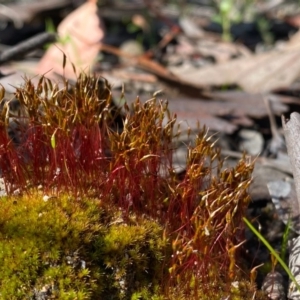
{"points": [[26, 46]]}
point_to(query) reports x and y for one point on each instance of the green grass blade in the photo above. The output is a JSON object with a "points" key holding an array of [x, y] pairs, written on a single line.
{"points": [[274, 253], [285, 239]]}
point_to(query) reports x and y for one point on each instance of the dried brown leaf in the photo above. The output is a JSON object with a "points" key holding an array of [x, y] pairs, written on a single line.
{"points": [[81, 33], [263, 72], [221, 51]]}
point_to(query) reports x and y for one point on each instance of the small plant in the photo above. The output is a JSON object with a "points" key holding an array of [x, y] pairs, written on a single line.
{"points": [[278, 258], [230, 12], [116, 202]]}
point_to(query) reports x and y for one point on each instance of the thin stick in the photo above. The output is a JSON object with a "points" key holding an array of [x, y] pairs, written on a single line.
{"points": [[26, 46]]}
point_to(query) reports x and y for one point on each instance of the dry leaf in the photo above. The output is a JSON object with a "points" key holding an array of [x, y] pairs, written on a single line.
{"points": [[260, 73], [221, 51], [81, 33], [252, 105]]}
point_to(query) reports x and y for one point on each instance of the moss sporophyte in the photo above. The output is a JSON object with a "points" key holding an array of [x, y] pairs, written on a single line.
{"points": [[117, 221]]}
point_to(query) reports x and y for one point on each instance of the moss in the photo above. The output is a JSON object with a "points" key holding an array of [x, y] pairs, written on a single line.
{"points": [[134, 256], [120, 223], [65, 249], [43, 244]]}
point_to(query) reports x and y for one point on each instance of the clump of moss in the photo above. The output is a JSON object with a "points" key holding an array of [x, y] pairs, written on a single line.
{"points": [[44, 247], [133, 256], [149, 234], [65, 249]]}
